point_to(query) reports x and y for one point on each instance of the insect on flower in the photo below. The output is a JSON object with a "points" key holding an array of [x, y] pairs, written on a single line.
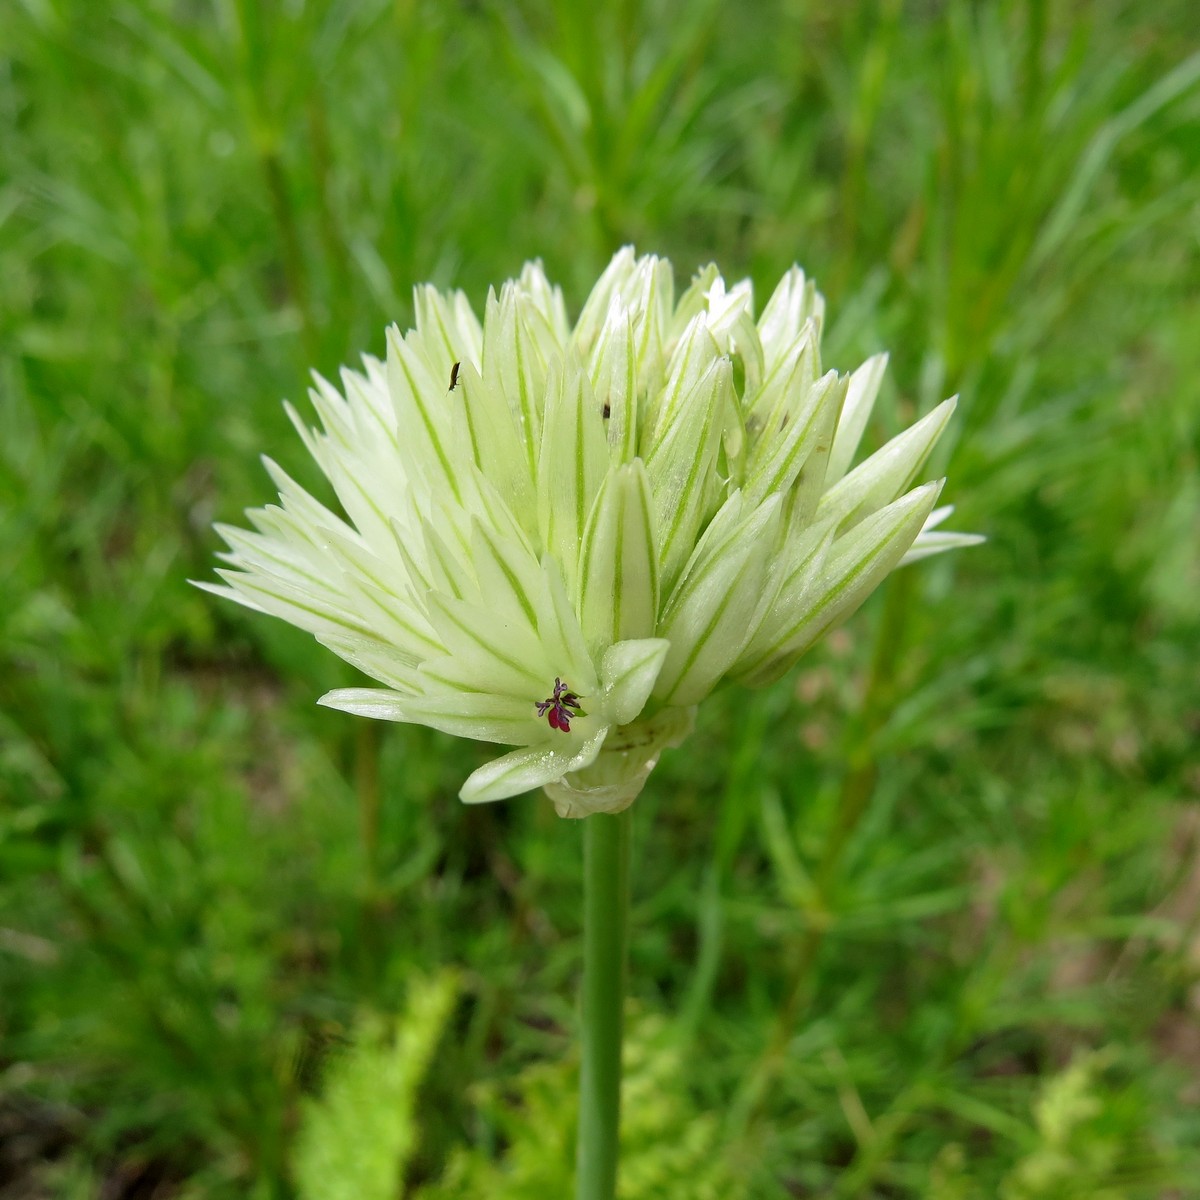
{"points": [[454, 376], [557, 707]]}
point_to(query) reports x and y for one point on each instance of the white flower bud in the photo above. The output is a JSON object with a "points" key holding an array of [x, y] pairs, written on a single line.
{"points": [[562, 540]]}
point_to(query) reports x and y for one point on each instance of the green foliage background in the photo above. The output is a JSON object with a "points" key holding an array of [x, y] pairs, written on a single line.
{"points": [[920, 921]]}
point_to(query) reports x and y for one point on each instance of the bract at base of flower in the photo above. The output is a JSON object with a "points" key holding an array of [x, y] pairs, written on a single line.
{"points": [[616, 778]]}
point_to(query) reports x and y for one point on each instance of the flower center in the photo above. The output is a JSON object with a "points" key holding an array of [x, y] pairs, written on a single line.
{"points": [[557, 709]]}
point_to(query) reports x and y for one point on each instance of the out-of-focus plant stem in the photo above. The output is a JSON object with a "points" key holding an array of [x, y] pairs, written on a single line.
{"points": [[857, 789]]}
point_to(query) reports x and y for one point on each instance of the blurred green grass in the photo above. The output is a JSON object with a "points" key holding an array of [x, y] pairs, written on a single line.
{"points": [[919, 921]]}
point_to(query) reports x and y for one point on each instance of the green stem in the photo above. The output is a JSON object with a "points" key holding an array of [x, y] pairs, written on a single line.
{"points": [[605, 932]]}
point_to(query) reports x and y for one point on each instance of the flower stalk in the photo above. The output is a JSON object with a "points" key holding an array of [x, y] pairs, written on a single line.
{"points": [[605, 938]]}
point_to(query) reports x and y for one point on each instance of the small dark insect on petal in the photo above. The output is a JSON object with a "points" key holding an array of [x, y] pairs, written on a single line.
{"points": [[454, 376], [607, 411]]}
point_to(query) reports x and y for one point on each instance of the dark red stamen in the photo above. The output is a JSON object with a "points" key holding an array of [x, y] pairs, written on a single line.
{"points": [[557, 708]]}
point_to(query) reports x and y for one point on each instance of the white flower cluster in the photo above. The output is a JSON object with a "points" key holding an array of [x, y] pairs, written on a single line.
{"points": [[562, 539]]}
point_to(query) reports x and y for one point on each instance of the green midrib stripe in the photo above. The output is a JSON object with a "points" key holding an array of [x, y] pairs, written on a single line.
{"points": [[823, 606], [684, 510], [523, 389], [619, 567], [702, 641], [580, 473], [251, 585], [429, 427], [519, 667], [513, 581]]}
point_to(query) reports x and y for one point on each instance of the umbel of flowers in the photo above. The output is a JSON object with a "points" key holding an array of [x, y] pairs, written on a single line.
{"points": [[561, 538]]}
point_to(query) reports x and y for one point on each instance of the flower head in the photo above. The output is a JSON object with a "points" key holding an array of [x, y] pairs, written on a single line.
{"points": [[562, 539]]}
